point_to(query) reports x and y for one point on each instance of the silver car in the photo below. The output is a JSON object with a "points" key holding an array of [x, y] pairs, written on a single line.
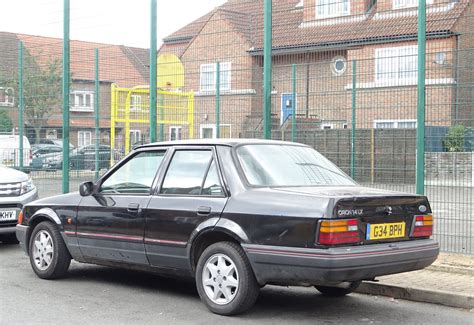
{"points": [[16, 189]]}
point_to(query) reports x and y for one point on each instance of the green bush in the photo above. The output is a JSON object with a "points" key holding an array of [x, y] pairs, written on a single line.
{"points": [[454, 140], [6, 123]]}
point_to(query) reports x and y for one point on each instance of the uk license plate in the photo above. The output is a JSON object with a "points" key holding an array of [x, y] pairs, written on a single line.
{"points": [[6, 215], [385, 230]]}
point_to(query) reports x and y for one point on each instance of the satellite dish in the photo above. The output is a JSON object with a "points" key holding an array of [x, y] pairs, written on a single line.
{"points": [[170, 75]]}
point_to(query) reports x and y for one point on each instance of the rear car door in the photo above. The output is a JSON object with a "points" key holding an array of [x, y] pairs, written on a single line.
{"points": [[191, 194], [110, 223]]}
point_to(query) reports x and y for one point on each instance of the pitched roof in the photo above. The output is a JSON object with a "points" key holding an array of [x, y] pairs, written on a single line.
{"points": [[114, 65], [9, 50], [291, 32]]}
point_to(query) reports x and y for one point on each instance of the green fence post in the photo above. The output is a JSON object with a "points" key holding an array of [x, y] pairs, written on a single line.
{"points": [[293, 113], [353, 127], [420, 116], [267, 69], [218, 100], [66, 98], [153, 76], [21, 102], [96, 108]]}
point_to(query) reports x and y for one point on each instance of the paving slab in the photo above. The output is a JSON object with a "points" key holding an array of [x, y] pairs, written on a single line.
{"points": [[449, 281]]}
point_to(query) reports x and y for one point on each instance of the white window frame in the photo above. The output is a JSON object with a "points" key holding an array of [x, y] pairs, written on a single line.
{"points": [[135, 134], [327, 126], [401, 4], [135, 103], [75, 105], [213, 127], [395, 59], [9, 97], [332, 8], [395, 123], [178, 132], [82, 139], [225, 67]]}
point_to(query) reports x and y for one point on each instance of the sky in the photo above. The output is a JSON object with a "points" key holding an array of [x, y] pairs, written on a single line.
{"points": [[104, 21]]}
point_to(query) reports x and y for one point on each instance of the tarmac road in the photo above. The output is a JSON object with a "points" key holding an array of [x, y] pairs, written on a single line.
{"points": [[100, 295]]}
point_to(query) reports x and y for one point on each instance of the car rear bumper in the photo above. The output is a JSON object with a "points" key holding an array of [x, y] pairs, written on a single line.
{"points": [[310, 266]]}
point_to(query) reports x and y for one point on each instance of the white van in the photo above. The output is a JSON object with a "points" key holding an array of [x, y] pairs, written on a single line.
{"points": [[10, 149]]}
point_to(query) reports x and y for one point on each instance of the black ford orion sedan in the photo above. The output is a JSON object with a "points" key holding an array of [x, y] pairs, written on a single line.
{"points": [[235, 215]]}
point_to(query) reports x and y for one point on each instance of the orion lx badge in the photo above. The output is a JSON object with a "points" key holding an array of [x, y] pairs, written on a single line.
{"points": [[350, 212]]}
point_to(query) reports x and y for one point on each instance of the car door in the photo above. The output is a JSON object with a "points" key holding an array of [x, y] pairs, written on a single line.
{"points": [[191, 194], [110, 223]]}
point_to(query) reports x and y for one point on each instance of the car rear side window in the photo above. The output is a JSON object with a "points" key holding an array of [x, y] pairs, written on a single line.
{"points": [[192, 172], [136, 175]]}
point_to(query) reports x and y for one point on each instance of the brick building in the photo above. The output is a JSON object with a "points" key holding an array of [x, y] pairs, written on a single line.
{"points": [[324, 38], [121, 65]]}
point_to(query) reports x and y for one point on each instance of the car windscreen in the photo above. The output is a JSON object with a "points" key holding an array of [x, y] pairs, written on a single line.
{"points": [[288, 165]]}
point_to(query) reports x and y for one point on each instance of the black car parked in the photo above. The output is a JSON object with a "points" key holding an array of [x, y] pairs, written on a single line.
{"points": [[235, 215]]}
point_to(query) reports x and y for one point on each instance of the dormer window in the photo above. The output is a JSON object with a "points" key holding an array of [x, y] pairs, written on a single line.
{"points": [[332, 8], [400, 4]]}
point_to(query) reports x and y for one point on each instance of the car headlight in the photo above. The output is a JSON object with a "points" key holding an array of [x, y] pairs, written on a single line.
{"points": [[27, 186]]}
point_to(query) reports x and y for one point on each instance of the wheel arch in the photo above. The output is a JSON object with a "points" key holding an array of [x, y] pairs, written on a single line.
{"points": [[44, 214], [208, 237]]}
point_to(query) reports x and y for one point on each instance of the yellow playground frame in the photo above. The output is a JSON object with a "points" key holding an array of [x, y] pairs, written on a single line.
{"points": [[173, 108]]}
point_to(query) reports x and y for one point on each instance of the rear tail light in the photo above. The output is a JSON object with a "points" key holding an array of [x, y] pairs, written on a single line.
{"points": [[423, 226], [333, 232]]}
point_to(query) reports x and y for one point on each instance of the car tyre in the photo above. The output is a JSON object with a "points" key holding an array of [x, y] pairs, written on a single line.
{"points": [[338, 291], [225, 279], [49, 256]]}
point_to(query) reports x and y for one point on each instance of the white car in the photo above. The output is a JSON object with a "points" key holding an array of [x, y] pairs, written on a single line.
{"points": [[10, 150], [16, 189]]}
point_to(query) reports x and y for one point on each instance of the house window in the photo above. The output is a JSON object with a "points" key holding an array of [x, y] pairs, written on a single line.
{"points": [[395, 124], [396, 64], [135, 103], [339, 65], [208, 131], [7, 97], [84, 138], [208, 76], [82, 101], [175, 133], [399, 4], [332, 8], [135, 137]]}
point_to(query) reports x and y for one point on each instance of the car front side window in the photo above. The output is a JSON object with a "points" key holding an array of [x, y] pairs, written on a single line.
{"points": [[136, 175]]}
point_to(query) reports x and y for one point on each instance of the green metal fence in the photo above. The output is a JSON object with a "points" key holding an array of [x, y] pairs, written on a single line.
{"points": [[341, 76]]}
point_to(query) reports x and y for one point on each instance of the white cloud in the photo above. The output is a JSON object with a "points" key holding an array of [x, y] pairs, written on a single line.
{"points": [[104, 21]]}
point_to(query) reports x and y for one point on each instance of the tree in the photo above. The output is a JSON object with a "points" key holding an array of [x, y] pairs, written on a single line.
{"points": [[43, 89], [6, 123], [42, 84], [454, 140]]}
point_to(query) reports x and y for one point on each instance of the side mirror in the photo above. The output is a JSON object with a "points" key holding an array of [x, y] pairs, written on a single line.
{"points": [[86, 188]]}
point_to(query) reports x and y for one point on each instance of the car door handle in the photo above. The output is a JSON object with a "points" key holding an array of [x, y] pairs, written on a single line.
{"points": [[203, 210], [133, 207]]}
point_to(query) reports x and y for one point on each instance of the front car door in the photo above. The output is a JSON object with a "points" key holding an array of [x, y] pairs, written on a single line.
{"points": [[110, 223], [191, 194]]}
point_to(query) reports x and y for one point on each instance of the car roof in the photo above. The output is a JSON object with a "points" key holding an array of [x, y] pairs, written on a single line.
{"points": [[221, 142]]}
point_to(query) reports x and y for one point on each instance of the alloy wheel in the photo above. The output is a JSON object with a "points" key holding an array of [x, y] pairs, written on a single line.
{"points": [[220, 279], [43, 250]]}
